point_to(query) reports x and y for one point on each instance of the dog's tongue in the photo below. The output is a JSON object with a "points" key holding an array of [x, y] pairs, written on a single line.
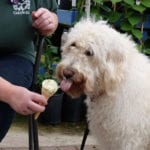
{"points": [[65, 85]]}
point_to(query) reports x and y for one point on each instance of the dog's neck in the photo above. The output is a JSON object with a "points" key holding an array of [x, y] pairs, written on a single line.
{"points": [[96, 95]]}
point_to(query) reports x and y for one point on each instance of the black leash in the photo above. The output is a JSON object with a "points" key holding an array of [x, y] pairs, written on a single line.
{"points": [[32, 123], [86, 133]]}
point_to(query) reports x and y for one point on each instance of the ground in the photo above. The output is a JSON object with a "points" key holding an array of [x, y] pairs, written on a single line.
{"points": [[64, 136]]}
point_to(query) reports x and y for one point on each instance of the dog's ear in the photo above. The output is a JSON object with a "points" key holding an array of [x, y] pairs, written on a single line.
{"points": [[114, 71]]}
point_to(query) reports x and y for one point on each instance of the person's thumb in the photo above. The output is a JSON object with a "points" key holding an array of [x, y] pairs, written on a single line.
{"points": [[34, 15]]}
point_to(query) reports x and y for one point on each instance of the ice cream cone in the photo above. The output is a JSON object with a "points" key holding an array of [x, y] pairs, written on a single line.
{"points": [[49, 88]]}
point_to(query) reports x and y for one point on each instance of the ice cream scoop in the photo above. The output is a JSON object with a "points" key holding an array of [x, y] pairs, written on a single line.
{"points": [[49, 88]]}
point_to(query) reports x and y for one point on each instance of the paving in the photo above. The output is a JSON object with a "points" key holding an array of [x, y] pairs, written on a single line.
{"points": [[72, 147], [64, 136]]}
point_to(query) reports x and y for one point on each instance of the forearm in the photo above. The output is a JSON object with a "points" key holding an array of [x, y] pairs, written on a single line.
{"points": [[6, 90], [21, 99]]}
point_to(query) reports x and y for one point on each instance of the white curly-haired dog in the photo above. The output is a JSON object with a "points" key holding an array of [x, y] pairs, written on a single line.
{"points": [[106, 66]]}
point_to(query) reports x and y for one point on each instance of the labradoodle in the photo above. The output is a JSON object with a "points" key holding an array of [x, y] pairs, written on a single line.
{"points": [[105, 65]]}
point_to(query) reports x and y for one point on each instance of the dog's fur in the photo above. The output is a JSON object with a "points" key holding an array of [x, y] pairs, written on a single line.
{"points": [[106, 66]]}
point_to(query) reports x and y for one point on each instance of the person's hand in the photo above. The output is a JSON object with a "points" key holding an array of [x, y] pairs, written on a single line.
{"points": [[44, 21], [26, 102]]}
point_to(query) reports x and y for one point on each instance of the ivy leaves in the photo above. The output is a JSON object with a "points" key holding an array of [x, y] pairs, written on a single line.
{"points": [[126, 15]]}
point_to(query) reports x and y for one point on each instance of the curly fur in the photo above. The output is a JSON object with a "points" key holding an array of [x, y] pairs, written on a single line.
{"points": [[106, 66]]}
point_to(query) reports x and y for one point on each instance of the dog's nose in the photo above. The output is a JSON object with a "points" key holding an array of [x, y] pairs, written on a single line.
{"points": [[68, 73]]}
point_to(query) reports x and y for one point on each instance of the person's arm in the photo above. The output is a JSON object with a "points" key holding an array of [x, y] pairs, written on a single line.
{"points": [[21, 99], [45, 21]]}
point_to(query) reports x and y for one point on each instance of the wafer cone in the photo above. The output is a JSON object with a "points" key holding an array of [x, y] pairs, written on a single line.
{"points": [[49, 88]]}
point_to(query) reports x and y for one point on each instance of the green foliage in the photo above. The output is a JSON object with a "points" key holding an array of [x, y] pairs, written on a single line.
{"points": [[49, 60], [125, 15]]}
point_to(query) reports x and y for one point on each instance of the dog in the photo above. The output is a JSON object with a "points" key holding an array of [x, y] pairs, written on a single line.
{"points": [[105, 64]]}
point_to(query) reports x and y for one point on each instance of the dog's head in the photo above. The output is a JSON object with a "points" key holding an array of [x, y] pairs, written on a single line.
{"points": [[93, 59]]}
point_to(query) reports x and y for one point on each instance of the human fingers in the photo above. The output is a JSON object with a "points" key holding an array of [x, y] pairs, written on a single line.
{"points": [[39, 16], [39, 12], [37, 107], [43, 23], [38, 102], [33, 15], [27, 111], [48, 26], [39, 99]]}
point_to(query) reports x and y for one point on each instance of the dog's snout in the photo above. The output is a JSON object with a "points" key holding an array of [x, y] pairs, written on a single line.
{"points": [[68, 73]]}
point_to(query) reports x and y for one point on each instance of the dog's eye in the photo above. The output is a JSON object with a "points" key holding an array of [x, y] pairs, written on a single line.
{"points": [[73, 44], [88, 53]]}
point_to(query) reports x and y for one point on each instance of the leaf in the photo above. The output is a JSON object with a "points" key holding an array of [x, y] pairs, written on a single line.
{"points": [[114, 17], [130, 2], [126, 26], [80, 4], [98, 1], [54, 49], [139, 8], [105, 8], [137, 33], [129, 14], [95, 12], [147, 51], [134, 19], [115, 1], [146, 3], [139, 47]]}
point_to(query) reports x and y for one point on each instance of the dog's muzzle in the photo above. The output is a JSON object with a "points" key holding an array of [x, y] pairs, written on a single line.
{"points": [[71, 79], [67, 81]]}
